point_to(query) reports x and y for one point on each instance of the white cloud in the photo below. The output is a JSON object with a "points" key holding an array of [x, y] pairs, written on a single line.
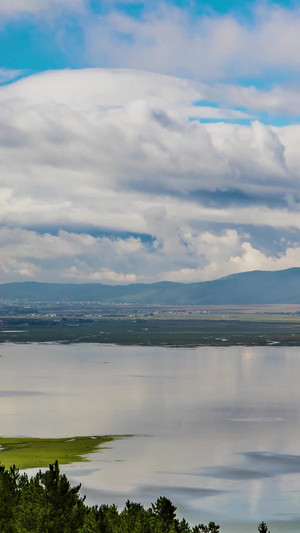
{"points": [[170, 40], [132, 142], [196, 256], [19, 7], [104, 275], [282, 100], [115, 151], [233, 257], [26, 253], [103, 88]]}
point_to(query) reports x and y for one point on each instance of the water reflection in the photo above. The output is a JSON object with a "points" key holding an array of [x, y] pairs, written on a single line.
{"points": [[217, 428]]}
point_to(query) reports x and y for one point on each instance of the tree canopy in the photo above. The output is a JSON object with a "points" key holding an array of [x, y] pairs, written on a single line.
{"points": [[47, 503]]}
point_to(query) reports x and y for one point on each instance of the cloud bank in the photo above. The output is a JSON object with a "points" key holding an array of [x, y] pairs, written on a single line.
{"points": [[109, 175]]}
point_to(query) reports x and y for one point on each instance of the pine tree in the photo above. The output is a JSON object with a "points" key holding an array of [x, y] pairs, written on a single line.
{"points": [[263, 528]]}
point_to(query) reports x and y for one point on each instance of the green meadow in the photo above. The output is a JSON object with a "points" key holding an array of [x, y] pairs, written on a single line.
{"points": [[230, 330], [33, 452]]}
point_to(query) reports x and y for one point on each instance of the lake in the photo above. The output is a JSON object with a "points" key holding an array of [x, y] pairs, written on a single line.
{"points": [[217, 430]]}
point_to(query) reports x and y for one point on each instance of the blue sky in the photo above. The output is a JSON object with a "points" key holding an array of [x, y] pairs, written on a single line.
{"points": [[52, 38], [37, 41], [148, 141]]}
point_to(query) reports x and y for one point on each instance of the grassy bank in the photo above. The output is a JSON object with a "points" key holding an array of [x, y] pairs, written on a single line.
{"points": [[30, 453]]}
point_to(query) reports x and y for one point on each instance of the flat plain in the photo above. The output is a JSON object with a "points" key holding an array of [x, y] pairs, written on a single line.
{"points": [[152, 326]]}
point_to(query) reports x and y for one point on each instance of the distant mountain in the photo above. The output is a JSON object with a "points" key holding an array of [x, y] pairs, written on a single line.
{"points": [[256, 287]]}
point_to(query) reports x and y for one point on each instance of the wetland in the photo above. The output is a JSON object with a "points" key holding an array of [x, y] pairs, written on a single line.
{"points": [[186, 326]]}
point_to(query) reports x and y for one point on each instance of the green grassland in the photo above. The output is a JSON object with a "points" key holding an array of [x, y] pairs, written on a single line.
{"points": [[33, 452], [228, 331]]}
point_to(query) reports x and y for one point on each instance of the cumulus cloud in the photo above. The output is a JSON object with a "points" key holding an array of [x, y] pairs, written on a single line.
{"points": [[230, 254], [116, 151], [127, 174], [132, 142], [26, 254]]}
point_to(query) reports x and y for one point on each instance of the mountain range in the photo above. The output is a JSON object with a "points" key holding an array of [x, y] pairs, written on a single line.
{"points": [[246, 288]]}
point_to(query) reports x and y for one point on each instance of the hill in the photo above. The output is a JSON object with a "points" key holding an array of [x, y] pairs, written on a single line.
{"points": [[246, 288]]}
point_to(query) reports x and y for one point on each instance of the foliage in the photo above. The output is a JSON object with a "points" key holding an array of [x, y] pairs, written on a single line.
{"points": [[47, 503], [263, 528], [211, 528]]}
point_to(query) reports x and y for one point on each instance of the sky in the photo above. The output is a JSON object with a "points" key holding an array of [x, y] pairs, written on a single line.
{"points": [[143, 141]]}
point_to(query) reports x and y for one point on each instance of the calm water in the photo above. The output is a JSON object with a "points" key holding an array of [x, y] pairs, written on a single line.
{"points": [[218, 429]]}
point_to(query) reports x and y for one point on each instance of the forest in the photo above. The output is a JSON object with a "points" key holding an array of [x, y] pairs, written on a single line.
{"points": [[47, 503]]}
